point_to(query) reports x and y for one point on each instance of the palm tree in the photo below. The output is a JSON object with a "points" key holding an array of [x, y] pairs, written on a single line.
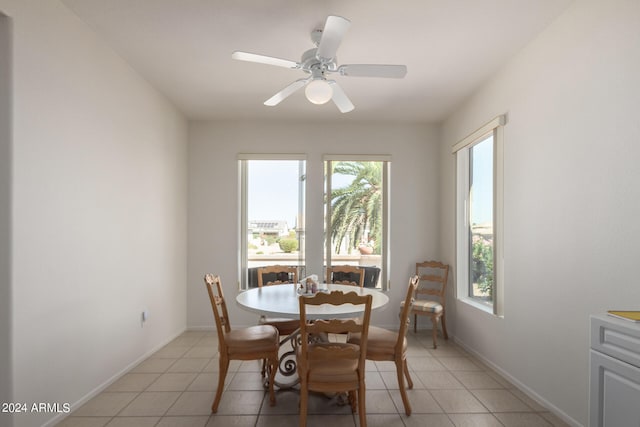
{"points": [[357, 208]]}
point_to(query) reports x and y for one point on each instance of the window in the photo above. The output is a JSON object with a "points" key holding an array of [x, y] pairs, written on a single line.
{"points": [[272, 214], [356, 215], [479, 217], [273, 210]]}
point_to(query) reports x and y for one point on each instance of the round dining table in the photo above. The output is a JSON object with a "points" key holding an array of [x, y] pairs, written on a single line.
{"points": [[282, 301]]}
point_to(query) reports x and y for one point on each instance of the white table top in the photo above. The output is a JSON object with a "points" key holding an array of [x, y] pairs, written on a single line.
{"points": [[282, 301]]}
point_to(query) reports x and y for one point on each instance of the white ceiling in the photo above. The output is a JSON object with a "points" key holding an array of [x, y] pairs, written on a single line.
{"points": [[183, 48]]}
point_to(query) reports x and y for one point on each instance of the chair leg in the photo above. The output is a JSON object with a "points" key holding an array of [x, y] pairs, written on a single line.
{"points": [[224, 367], [444, 326], [304, 396], [352, 398], [415, 323], [400, 370], [434, 320], [362, 411], [273, 367], [406, 374]]}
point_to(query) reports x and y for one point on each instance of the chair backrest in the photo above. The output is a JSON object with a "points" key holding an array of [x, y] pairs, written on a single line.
{"points": [[404, 312], [346, 275], [277, 275], [219, 307], [371, 275], [336, 326], [433, 277]]}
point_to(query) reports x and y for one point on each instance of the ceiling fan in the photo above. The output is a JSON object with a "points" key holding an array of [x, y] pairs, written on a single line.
{"points": [[321, 61]]}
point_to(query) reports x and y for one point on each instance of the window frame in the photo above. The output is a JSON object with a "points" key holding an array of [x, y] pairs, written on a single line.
{"points": [[327, 159], [243, 244], [461, 151]]}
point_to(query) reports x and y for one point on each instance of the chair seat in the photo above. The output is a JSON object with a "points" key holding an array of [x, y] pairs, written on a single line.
{"points": [[425, 306], [380, 342], [340, 370], [285, 326], [253, 339]]}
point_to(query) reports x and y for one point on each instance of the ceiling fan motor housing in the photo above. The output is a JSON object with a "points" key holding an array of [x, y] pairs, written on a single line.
{"points": [[310, 62], [316, 36]]}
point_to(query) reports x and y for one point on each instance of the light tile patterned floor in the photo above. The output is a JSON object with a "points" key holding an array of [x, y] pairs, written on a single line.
{"points": [[175, 388]]}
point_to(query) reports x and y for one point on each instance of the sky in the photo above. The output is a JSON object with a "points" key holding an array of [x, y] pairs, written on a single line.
{"points": [[482, 188], [273, 190]]}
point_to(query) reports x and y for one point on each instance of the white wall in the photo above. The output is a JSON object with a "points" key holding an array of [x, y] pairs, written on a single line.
{"points": [[572, 200], [213, 198], [5, 211], [99, 210]]}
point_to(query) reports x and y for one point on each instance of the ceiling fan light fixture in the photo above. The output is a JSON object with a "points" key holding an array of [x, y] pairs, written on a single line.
{"points": [[318, 91]]}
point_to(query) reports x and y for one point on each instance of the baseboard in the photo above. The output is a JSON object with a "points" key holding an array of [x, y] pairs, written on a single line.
{"points": [[99, 389], [207, 328], [521, 386]]}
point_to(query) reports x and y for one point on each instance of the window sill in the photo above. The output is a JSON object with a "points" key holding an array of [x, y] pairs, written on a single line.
{"points": [[487, 308]]}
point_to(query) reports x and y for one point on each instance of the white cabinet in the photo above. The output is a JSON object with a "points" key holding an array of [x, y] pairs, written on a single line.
{"points": [[615, 373]]}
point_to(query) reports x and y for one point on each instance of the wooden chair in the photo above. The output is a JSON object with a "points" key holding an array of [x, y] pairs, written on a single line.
{"points": [[333, 366], [385, 345], [278, 275], [252, 343], [346, 275], [430, 296]]}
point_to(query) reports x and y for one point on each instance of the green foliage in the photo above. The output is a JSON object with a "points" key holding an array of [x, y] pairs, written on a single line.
{"points": [[482, 266], [358, 206], [288, 244]]}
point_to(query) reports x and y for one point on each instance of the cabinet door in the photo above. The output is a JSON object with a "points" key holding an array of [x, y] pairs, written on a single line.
{"points": [[615, 392]]}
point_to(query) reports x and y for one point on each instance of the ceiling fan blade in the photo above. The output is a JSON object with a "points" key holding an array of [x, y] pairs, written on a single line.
{"points": [[334, 29], [262, 59], [373, 70], [340, 98], [286, 92]]}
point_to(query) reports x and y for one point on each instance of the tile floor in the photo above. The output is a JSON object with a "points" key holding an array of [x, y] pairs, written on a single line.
{"points": [[175, 387]]}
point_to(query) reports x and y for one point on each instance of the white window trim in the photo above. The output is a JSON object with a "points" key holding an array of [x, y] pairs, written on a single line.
{"points": [[271, 156], [494, 126], [242, 171], [386, 158], [357, 157]]}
